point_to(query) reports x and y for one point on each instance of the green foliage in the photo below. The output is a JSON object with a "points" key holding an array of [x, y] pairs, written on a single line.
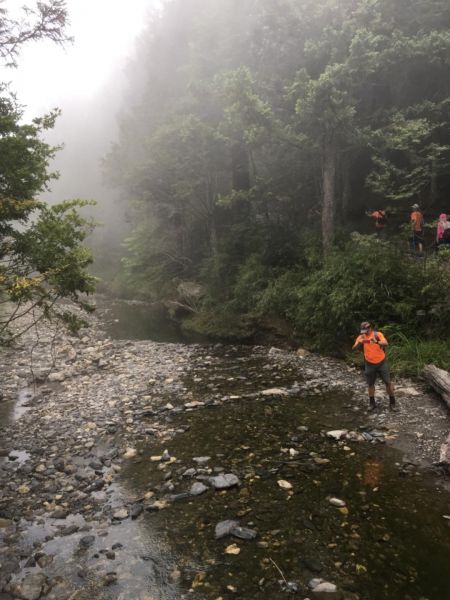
{"points": [[42, 259], [281, 120], [409, 355], [371, 280]]}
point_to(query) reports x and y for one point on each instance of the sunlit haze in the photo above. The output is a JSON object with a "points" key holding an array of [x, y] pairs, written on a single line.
{"points": [[104, 32]]}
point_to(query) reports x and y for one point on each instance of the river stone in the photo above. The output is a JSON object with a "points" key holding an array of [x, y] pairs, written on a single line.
{"points": [[5, 523], [223, 482], [337, 502], [244, 533], [337, 434], [32, 585], [130, 453], [201, 460], [326, 591], [87, 541], [275, 392], [120, 514], [225, 528], [198, 488], [189, 472]]}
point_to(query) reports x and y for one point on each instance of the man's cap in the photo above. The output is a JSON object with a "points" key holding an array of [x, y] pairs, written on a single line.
{"points": [[415, 206], [364, 327]]}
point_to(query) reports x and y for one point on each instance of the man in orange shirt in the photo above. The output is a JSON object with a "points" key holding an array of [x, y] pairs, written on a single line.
{"points": [[374, 343], [379, 219], [417, 227]]}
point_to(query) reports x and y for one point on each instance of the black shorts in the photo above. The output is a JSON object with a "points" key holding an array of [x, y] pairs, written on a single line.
{"points": [[417, 237], [371, 371]]}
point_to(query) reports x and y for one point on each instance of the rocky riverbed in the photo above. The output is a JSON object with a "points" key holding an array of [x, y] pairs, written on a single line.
{"points": [[143, 470]]}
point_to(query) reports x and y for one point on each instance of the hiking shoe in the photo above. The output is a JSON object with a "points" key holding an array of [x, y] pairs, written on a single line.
{"points": [[371, 407], [393, 408]]}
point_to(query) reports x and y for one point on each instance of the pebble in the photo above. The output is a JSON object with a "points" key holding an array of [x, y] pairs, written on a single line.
{"points": [[224, 482]]}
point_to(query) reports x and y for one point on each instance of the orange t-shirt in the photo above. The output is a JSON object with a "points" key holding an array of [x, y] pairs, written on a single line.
{"points": [[380, 217], [417, 219], [372, 351]]}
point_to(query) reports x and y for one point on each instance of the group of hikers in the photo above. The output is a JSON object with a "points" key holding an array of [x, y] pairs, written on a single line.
{"points": [[416, 221], [373, 343]]}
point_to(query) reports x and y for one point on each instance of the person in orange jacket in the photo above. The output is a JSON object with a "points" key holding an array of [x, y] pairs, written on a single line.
{"points": [[416, 219], [373, 344]]}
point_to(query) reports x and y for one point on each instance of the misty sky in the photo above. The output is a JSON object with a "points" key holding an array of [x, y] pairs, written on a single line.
{"points": [[104, 32]]}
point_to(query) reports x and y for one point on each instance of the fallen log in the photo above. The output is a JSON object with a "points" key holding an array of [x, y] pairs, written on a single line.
{"points": [[439, 380]]}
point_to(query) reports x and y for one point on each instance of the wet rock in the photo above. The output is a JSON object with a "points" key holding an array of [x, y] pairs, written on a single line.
{"points": [[198, 488], [337, 502], [326, 591], [109, 579], [165, 456], [337, 434], [32, 586], [189, 472], [43, 560], [136, 510], [59, 514], [121, 514], [201, 460], [180, 496], [157, 505], [284, 485], [130, 453], [87, 541], [225, 528], [243, 533], [275, 392], [69, 530], [224, 482]]}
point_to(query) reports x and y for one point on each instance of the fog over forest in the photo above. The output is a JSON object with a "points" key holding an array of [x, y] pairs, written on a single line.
{"points": [[224, 330]]}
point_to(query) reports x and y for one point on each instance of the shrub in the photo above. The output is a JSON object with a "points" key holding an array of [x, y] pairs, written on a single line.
{"points": [[371, 280]]}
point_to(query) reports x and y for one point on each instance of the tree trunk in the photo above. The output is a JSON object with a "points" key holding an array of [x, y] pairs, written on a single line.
{"points": [[328, 192], [439, 381], [346, 188]]}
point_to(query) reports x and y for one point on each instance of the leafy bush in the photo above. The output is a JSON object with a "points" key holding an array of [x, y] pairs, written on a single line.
{"points": [[408, 356], [371, 280]]}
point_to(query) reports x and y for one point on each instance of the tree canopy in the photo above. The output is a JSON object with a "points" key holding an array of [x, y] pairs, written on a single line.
{"points": [[253, 130]]}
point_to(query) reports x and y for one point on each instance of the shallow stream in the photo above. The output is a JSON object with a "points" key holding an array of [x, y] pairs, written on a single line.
{"points": [[390, 541]]}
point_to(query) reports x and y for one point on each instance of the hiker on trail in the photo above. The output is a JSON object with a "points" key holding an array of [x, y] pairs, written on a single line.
{"points": [[416, 220], [443, 230], [379, 219], [374, 343]]}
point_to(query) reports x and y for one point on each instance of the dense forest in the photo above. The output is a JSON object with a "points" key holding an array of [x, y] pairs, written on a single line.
{"points": [[256, 135]]}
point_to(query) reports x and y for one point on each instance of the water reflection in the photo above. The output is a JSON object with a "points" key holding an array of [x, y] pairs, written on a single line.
{"points": [[133, 320]]}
